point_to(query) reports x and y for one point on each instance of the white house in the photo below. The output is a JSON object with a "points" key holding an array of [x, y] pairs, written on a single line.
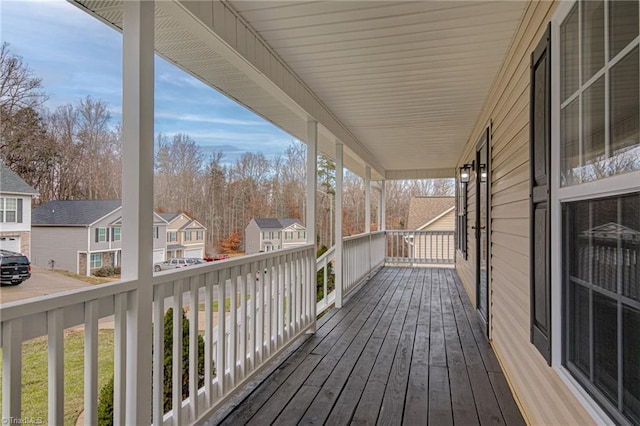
{"points": [[268, 234], [15, 212]]}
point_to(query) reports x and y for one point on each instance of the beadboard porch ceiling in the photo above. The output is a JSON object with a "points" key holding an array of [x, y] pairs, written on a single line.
{"points": [[404, 81]]}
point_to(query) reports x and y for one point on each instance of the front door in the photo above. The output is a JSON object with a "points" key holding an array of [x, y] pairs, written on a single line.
{"points": [[481, 227]]}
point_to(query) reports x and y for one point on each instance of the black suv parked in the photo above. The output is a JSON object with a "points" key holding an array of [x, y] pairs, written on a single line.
{"points": [[14, 267]]}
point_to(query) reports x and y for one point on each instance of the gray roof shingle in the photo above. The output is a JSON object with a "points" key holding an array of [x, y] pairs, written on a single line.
{"points": [[72, 212], [169, 216], [12, 183], [273, 223]]}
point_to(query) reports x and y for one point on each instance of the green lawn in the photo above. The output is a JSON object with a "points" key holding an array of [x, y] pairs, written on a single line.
{"points": [[34, 374]]}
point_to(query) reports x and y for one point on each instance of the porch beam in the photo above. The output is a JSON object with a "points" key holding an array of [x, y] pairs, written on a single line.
{"points": [[338, 221], [137, 200]]}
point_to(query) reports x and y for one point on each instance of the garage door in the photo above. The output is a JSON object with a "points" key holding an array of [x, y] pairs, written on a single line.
{"points": [[10, 243], [158, 255], [195, 253]]}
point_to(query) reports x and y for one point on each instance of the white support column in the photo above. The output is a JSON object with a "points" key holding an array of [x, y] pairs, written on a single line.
{"points": [[367, 212], [137, 200], [312, 180], [338, 219], [367, 200], [383, 206], [312, 186]]}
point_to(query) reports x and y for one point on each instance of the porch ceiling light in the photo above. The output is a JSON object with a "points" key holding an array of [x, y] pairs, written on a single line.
{"points": [[465, 171]]}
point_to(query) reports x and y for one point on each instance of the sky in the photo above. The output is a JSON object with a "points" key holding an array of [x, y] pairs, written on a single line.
{"points": [[76, 55]]}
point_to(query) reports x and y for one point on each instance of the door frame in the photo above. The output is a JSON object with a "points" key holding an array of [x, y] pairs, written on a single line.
{"points": [[483, 140]]}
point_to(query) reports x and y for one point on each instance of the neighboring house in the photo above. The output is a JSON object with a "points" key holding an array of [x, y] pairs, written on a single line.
{"points": [[15, 212], [185, 236], [84, 235], [432, 214], [268, 234]]}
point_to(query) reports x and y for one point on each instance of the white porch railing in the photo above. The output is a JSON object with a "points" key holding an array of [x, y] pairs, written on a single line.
{"points": [[282, 284], [323, 265], [363, 254], [424, 247]]}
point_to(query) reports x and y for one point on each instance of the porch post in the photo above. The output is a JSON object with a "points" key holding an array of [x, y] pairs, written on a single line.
{"points": [[383, 206], [367, 211], [312, 186], [338, 219], [137, 205], [367, 200]]}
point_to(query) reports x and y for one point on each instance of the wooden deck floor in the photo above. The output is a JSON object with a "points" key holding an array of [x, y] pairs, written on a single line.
{"points": [[406, 349]]}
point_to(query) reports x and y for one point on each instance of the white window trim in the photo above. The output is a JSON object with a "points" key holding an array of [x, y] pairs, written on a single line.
{"points": [[106, 232], [90, 261], [610, 186]]}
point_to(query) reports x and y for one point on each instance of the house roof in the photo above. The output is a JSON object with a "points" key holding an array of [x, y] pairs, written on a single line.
{"points": [[78, 213], [275, 223], [168, 216], [73, 212], [423, 210], [11, 182]]}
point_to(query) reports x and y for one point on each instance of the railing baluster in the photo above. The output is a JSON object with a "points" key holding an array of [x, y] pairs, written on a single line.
{"points": [[55, 343], [244, 328], [177, 354], [222, 362], [11, 369], [280, 301], [120, 359], [193, 346], [91, 362], [268, 310], [158, 356], [233, 344], [208, 339], [287, 284], [253, 284]]}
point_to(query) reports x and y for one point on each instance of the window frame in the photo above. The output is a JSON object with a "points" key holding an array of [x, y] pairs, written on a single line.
{"points": [[16, 210], [116, 236], [93, 263], [102, 235], [616, 185]]}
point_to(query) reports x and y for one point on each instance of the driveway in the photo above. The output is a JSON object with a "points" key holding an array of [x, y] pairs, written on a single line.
{"points": [[41, 283]]}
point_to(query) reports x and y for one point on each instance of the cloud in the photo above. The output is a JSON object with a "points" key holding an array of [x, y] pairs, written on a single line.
{"points": [[206, 119]]}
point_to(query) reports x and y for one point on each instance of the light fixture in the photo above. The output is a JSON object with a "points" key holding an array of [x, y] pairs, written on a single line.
{"points": [[465, 171], [483, 172]]}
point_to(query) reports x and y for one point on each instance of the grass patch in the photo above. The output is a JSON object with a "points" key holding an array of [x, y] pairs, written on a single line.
{"points": [[87, 279], [35, 374]]}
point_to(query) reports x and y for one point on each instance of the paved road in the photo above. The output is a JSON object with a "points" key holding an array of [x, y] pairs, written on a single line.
{"points": [[41, 283]]}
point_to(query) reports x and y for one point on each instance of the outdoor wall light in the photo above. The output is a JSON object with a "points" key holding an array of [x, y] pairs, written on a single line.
{"points": [[465, 171], [483, 172]]}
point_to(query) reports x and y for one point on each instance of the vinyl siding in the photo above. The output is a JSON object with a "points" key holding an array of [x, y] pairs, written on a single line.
{"points": [[46, 245], [541, 394]]}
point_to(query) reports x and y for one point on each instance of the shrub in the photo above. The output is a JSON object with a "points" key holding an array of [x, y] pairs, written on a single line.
{"points": [[105, 401], [105, 404], [105, 271]]}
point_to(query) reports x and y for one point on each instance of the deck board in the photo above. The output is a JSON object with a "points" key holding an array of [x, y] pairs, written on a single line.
{"points": [[407, 348]]}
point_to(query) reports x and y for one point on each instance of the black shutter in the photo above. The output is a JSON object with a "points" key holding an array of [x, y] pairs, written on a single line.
{"points": [[97, 236], [19, 212], [540, 144]]}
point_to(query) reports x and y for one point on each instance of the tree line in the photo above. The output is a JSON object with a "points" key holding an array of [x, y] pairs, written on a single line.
{"points": [[75, 152]]}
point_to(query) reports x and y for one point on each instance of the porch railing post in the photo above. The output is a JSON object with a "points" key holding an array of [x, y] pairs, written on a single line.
{"points": [[367, 210], [137, 176], [312, 185], [339, 273]]}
